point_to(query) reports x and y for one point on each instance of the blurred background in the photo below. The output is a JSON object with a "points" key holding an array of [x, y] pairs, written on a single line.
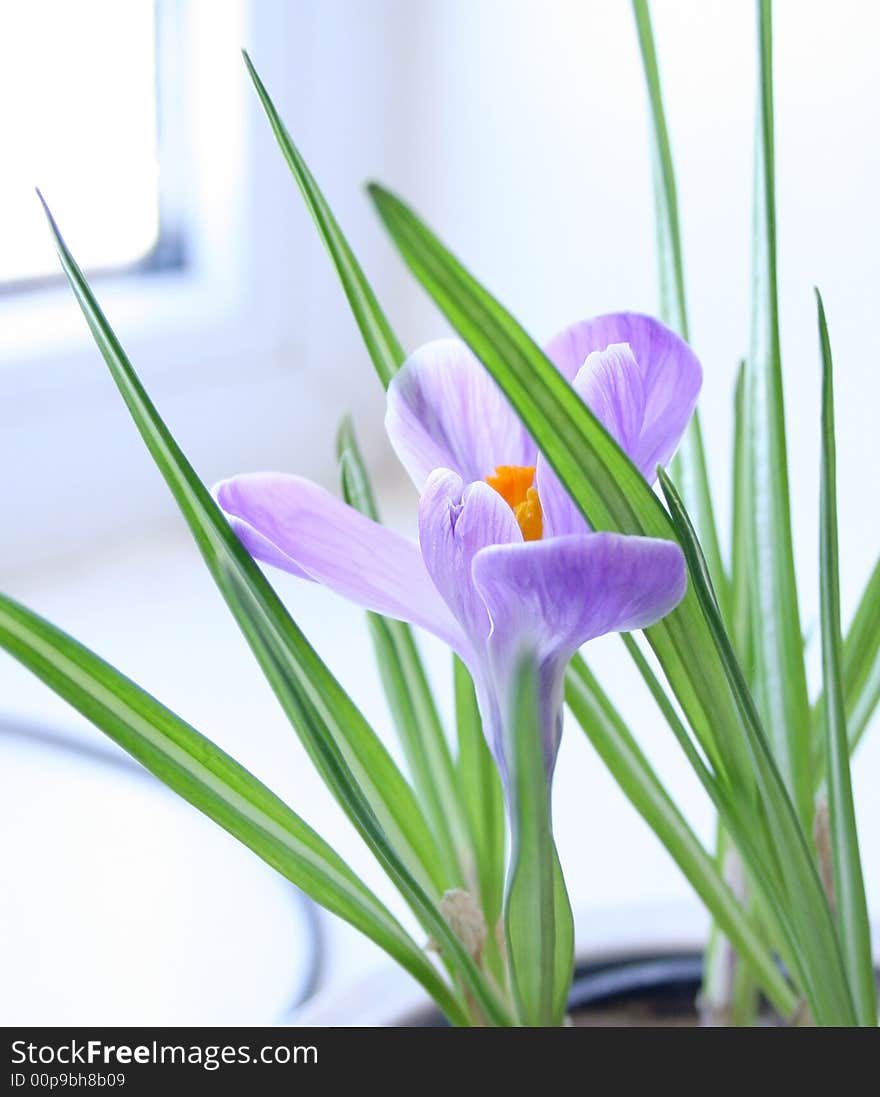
{"points": [[518, 129]]}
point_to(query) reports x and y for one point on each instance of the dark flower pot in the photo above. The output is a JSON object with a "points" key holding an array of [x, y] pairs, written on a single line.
{"points": [[658, 991], [625, 974], [627, 992]]}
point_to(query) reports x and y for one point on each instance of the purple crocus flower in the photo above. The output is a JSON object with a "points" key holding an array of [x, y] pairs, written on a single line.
{"points": [[505, 565]]}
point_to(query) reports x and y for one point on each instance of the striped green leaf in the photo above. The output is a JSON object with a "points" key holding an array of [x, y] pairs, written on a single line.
{"points": [[689, 467], [379, 339], [351, 759], [812, 928], [861, 673], [480, 792], [537, 913], [849, 887], [407, 691], [739, 607], [861, 660], [631, 770], [779, 663], [196, 769]]}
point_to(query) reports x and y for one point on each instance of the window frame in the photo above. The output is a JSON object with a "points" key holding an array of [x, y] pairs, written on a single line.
{"points": [[233, 345], [40, 327], [169, 250], [182, 325]]}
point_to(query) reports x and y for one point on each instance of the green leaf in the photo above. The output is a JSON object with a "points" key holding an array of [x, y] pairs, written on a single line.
{"points": [[813, 933], [615, 745], [298, 676], [861, 672], [481, 794], [729, 994], [407, 690], [863, 705], [739, 617], [753, 842], [602, 481], [728, 800], [690, 467], [849, 886], [667, 710], [861, 660], [349, 756], [537, 914], [670, 252], [211, 781], [779, 663], [380, 340]]}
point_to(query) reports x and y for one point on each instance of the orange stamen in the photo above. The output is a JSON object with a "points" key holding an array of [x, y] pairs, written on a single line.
{"points": [[514, 484]]}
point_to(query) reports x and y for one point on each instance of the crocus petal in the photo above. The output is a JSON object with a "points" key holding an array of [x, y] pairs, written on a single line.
{"points": [[455, 523], [445, 411], [260, 547], [568, 590], [670, 377], [560, 514], [547, 598], [610, 384], [297, 526]]}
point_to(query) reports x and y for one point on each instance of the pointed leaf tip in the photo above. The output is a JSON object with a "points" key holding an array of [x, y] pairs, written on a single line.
{"points": [[44, 204]]}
